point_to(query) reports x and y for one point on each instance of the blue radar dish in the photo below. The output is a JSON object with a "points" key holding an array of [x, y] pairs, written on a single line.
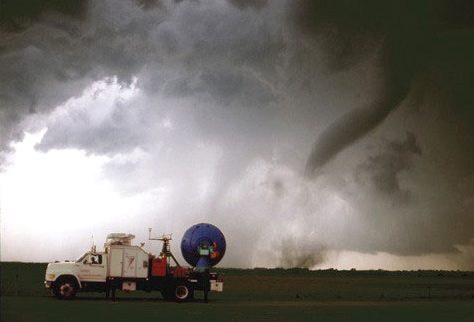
{"points": [[202, 239]]}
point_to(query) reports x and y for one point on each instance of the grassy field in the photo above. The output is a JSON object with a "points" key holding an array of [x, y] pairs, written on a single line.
{"points": [[258, 295]]}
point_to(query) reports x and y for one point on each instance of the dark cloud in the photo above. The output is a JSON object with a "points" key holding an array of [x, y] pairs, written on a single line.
{"points": [[407, 33], [66, 54], [383, 168], [17, 15], [243, 4], [149, 4], [224, 86], [218, 62], [417, 188]]}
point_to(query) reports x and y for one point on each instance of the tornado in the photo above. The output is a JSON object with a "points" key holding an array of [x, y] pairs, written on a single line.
{"points": [[396, 77], [405, 46]]}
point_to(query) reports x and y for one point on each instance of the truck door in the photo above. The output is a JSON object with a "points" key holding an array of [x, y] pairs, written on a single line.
{"points": [[116, 260], [93, 268]]}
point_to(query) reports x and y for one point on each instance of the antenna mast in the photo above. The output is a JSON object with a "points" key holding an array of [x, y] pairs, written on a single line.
{"points": [[166, 249], [93, 247]]}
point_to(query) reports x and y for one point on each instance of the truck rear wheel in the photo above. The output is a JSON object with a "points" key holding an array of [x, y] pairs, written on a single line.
{"points": [[179, 293], [65, 288], [182, 293]]}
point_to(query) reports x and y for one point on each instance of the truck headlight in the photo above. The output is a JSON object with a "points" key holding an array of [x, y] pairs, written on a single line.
{"points": [[51, 276]]}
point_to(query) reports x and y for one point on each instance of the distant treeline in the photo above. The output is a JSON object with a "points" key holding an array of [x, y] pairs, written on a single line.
{"points": [[332, 272]]}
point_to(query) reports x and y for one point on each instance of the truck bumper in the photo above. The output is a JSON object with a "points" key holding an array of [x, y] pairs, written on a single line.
{"points": [[47, 284]]}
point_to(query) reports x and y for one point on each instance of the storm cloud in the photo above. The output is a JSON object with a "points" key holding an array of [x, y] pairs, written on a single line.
{"points": [[384, 167], [300, 127], [409, 38]]}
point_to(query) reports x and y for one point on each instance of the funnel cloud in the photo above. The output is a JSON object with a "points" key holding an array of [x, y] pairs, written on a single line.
{"points": [[404, 34]]}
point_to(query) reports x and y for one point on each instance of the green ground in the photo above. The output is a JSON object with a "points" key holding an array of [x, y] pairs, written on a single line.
{"points": [[258, 295]]}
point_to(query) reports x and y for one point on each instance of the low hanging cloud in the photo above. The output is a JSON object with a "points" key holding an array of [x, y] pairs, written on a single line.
{"points": [[383, 168]]}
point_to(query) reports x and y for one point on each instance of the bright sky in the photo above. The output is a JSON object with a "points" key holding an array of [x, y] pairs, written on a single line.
{"points": [[60, 196]]}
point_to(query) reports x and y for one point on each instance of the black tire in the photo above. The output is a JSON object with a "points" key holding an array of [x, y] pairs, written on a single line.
{"points": [[65, 288], [182, 293]]}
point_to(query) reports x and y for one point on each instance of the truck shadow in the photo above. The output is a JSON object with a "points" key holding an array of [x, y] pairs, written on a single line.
{"points": [[123, 299]]}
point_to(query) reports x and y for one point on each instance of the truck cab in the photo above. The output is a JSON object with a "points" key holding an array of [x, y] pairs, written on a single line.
{"points": [[67, 277]]}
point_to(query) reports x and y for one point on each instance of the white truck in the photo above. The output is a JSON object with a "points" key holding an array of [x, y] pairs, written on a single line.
{"points": [[128, 267]]}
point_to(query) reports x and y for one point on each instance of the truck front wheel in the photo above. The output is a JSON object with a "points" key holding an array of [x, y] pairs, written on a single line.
{"points": [[65, 288]]}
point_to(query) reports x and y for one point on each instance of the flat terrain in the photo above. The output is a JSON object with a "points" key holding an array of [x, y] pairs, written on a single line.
{"points": [[258, 295]]}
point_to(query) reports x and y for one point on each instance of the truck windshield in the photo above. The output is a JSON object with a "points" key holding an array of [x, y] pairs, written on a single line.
{"points": [[81, 258]]}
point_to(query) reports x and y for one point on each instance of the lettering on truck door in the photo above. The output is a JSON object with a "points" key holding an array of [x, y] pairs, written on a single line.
{"points": [[93, 268], [130, 263]]}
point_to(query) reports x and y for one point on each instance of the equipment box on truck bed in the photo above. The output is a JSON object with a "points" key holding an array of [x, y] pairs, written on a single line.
{"points": [[128, 261]]}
